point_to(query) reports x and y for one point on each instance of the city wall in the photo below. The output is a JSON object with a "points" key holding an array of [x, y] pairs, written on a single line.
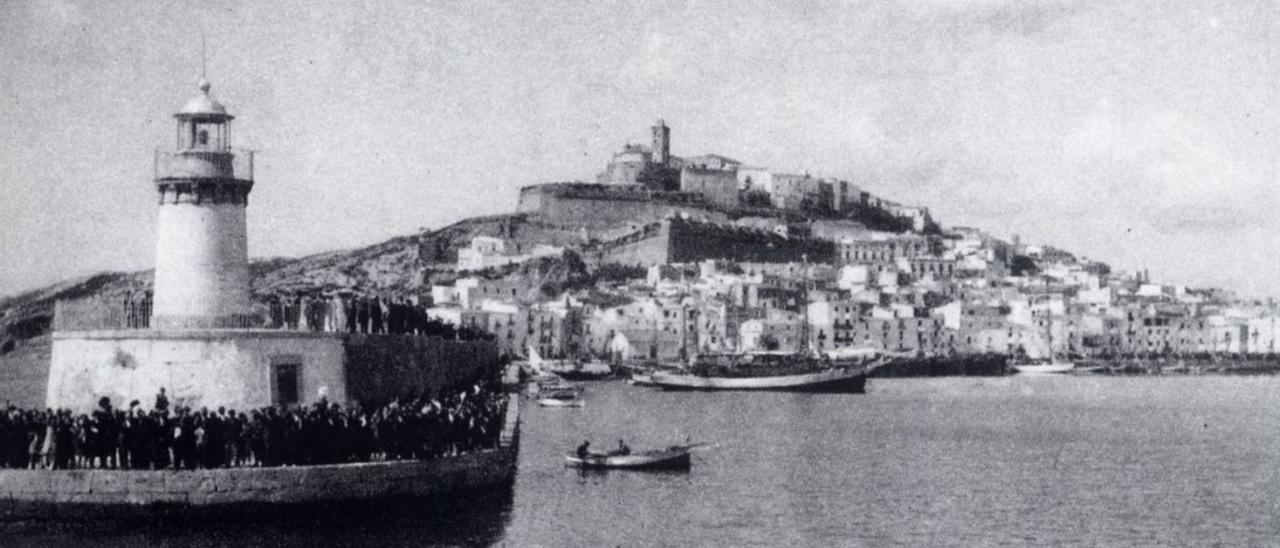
{"points": [[679, 241], [596, 206], [88, 494]]}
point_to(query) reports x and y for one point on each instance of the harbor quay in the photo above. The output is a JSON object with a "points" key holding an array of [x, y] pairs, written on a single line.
{"points": [[111, 493]]}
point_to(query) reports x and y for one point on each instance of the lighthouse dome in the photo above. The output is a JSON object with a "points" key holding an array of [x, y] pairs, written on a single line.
{"points": [[203, 106]]}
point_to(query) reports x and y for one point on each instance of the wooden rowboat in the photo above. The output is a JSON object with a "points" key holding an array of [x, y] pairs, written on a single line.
{"points": [[571, 397], [675, 457]]}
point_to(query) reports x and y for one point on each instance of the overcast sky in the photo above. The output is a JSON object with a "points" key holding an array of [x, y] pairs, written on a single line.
{"points": [[1143, 134]]}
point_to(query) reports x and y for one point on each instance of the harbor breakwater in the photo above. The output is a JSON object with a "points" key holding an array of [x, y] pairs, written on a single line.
{"points": [[102, 493]]}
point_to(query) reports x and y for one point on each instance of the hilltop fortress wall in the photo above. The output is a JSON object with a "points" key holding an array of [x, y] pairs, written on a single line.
{"points": [[597, 206], [684, 241]]}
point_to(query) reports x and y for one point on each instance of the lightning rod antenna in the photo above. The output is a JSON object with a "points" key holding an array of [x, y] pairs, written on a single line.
{"points": [[202, 55]]}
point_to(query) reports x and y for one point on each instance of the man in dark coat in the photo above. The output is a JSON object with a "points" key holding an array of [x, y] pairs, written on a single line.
{"points": [[162, 402]]}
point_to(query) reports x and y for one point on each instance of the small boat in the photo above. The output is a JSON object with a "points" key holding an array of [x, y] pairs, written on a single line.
{"points": [[1052, 368], [675, 457], [641, 379], [562, 397], [580, 370]]}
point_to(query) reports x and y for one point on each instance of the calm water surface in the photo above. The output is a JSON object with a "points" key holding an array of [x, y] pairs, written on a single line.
{"points": [[1081, 461]]}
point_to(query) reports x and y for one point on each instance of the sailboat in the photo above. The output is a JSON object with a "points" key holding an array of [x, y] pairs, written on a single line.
{"points": [[1055, 366], [795, 371]]}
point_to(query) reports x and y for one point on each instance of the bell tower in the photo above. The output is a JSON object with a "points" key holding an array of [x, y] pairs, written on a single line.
{"points": [[202, 262], [661, 143]]}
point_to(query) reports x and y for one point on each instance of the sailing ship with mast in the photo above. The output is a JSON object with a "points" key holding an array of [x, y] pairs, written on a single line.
{"points": [[798, 371], [1054, 365]]}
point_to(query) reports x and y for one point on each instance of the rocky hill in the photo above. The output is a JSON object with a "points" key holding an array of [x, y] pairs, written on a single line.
{"points": [[399, 267]]}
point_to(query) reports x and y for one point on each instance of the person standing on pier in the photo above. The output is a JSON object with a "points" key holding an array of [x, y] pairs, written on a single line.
{"points": [[162, 402]]}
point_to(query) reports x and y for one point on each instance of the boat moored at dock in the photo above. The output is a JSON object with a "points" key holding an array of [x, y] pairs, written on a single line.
{"points": [[1053, 368], [772, 371]]}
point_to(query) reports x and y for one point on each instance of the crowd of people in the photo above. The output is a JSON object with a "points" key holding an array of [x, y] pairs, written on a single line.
{"points": [[334, 313], [348, 314], [412, 427]]}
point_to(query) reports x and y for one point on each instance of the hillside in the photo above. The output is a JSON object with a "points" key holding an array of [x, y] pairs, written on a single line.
{"points": [[399, 267]]}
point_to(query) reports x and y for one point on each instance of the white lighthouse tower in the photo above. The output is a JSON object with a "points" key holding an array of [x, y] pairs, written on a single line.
{"points": [[204, 344], [202, 265]]}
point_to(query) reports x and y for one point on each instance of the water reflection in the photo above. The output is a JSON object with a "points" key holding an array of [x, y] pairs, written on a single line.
{"points": [[601, 475]]}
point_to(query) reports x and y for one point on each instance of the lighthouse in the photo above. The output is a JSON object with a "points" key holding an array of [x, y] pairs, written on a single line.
{"points": [[202, 263], [204, 342]]}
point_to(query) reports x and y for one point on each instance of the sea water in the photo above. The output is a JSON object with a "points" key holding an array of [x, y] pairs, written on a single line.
{"points": [[1055, 460]]}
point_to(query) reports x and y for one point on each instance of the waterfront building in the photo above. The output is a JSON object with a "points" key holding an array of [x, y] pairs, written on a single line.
{"points": [[778, 330], [837, 325], [1263, 333], [649, 328]]}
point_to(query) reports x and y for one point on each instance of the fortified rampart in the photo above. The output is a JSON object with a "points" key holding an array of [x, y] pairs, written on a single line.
{"points": [[87, 494], [684, 241], [597, 206]]}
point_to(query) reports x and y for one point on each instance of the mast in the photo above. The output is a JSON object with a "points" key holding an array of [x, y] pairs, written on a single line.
{"points": [[804, 349]]}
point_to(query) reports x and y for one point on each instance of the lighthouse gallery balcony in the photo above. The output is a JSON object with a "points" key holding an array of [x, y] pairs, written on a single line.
{"points": [[230, 164]]}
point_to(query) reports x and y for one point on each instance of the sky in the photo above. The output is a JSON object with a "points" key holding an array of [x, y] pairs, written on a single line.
{"points": [[1140, 133]]}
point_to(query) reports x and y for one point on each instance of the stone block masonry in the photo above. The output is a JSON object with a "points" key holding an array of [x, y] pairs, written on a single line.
{"points": [[680, 241], [90, 494], [594, 206]]}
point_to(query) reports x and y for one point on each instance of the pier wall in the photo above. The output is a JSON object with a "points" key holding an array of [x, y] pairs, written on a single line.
{"points": [[50, 493], [89, 494]]}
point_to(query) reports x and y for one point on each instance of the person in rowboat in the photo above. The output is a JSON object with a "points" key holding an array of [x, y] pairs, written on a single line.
{"points": [[584, 450]]}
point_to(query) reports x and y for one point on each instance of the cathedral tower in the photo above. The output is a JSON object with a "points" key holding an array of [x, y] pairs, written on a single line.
{"points": [[661, 143]]}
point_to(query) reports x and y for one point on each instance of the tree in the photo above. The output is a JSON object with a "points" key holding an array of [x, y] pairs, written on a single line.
{"points": [[756, 198], [1022, 265], [769, 342]]}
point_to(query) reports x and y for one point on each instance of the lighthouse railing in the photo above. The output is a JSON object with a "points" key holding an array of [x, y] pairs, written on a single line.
{"points": [[103, 312], [232, 163]]}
